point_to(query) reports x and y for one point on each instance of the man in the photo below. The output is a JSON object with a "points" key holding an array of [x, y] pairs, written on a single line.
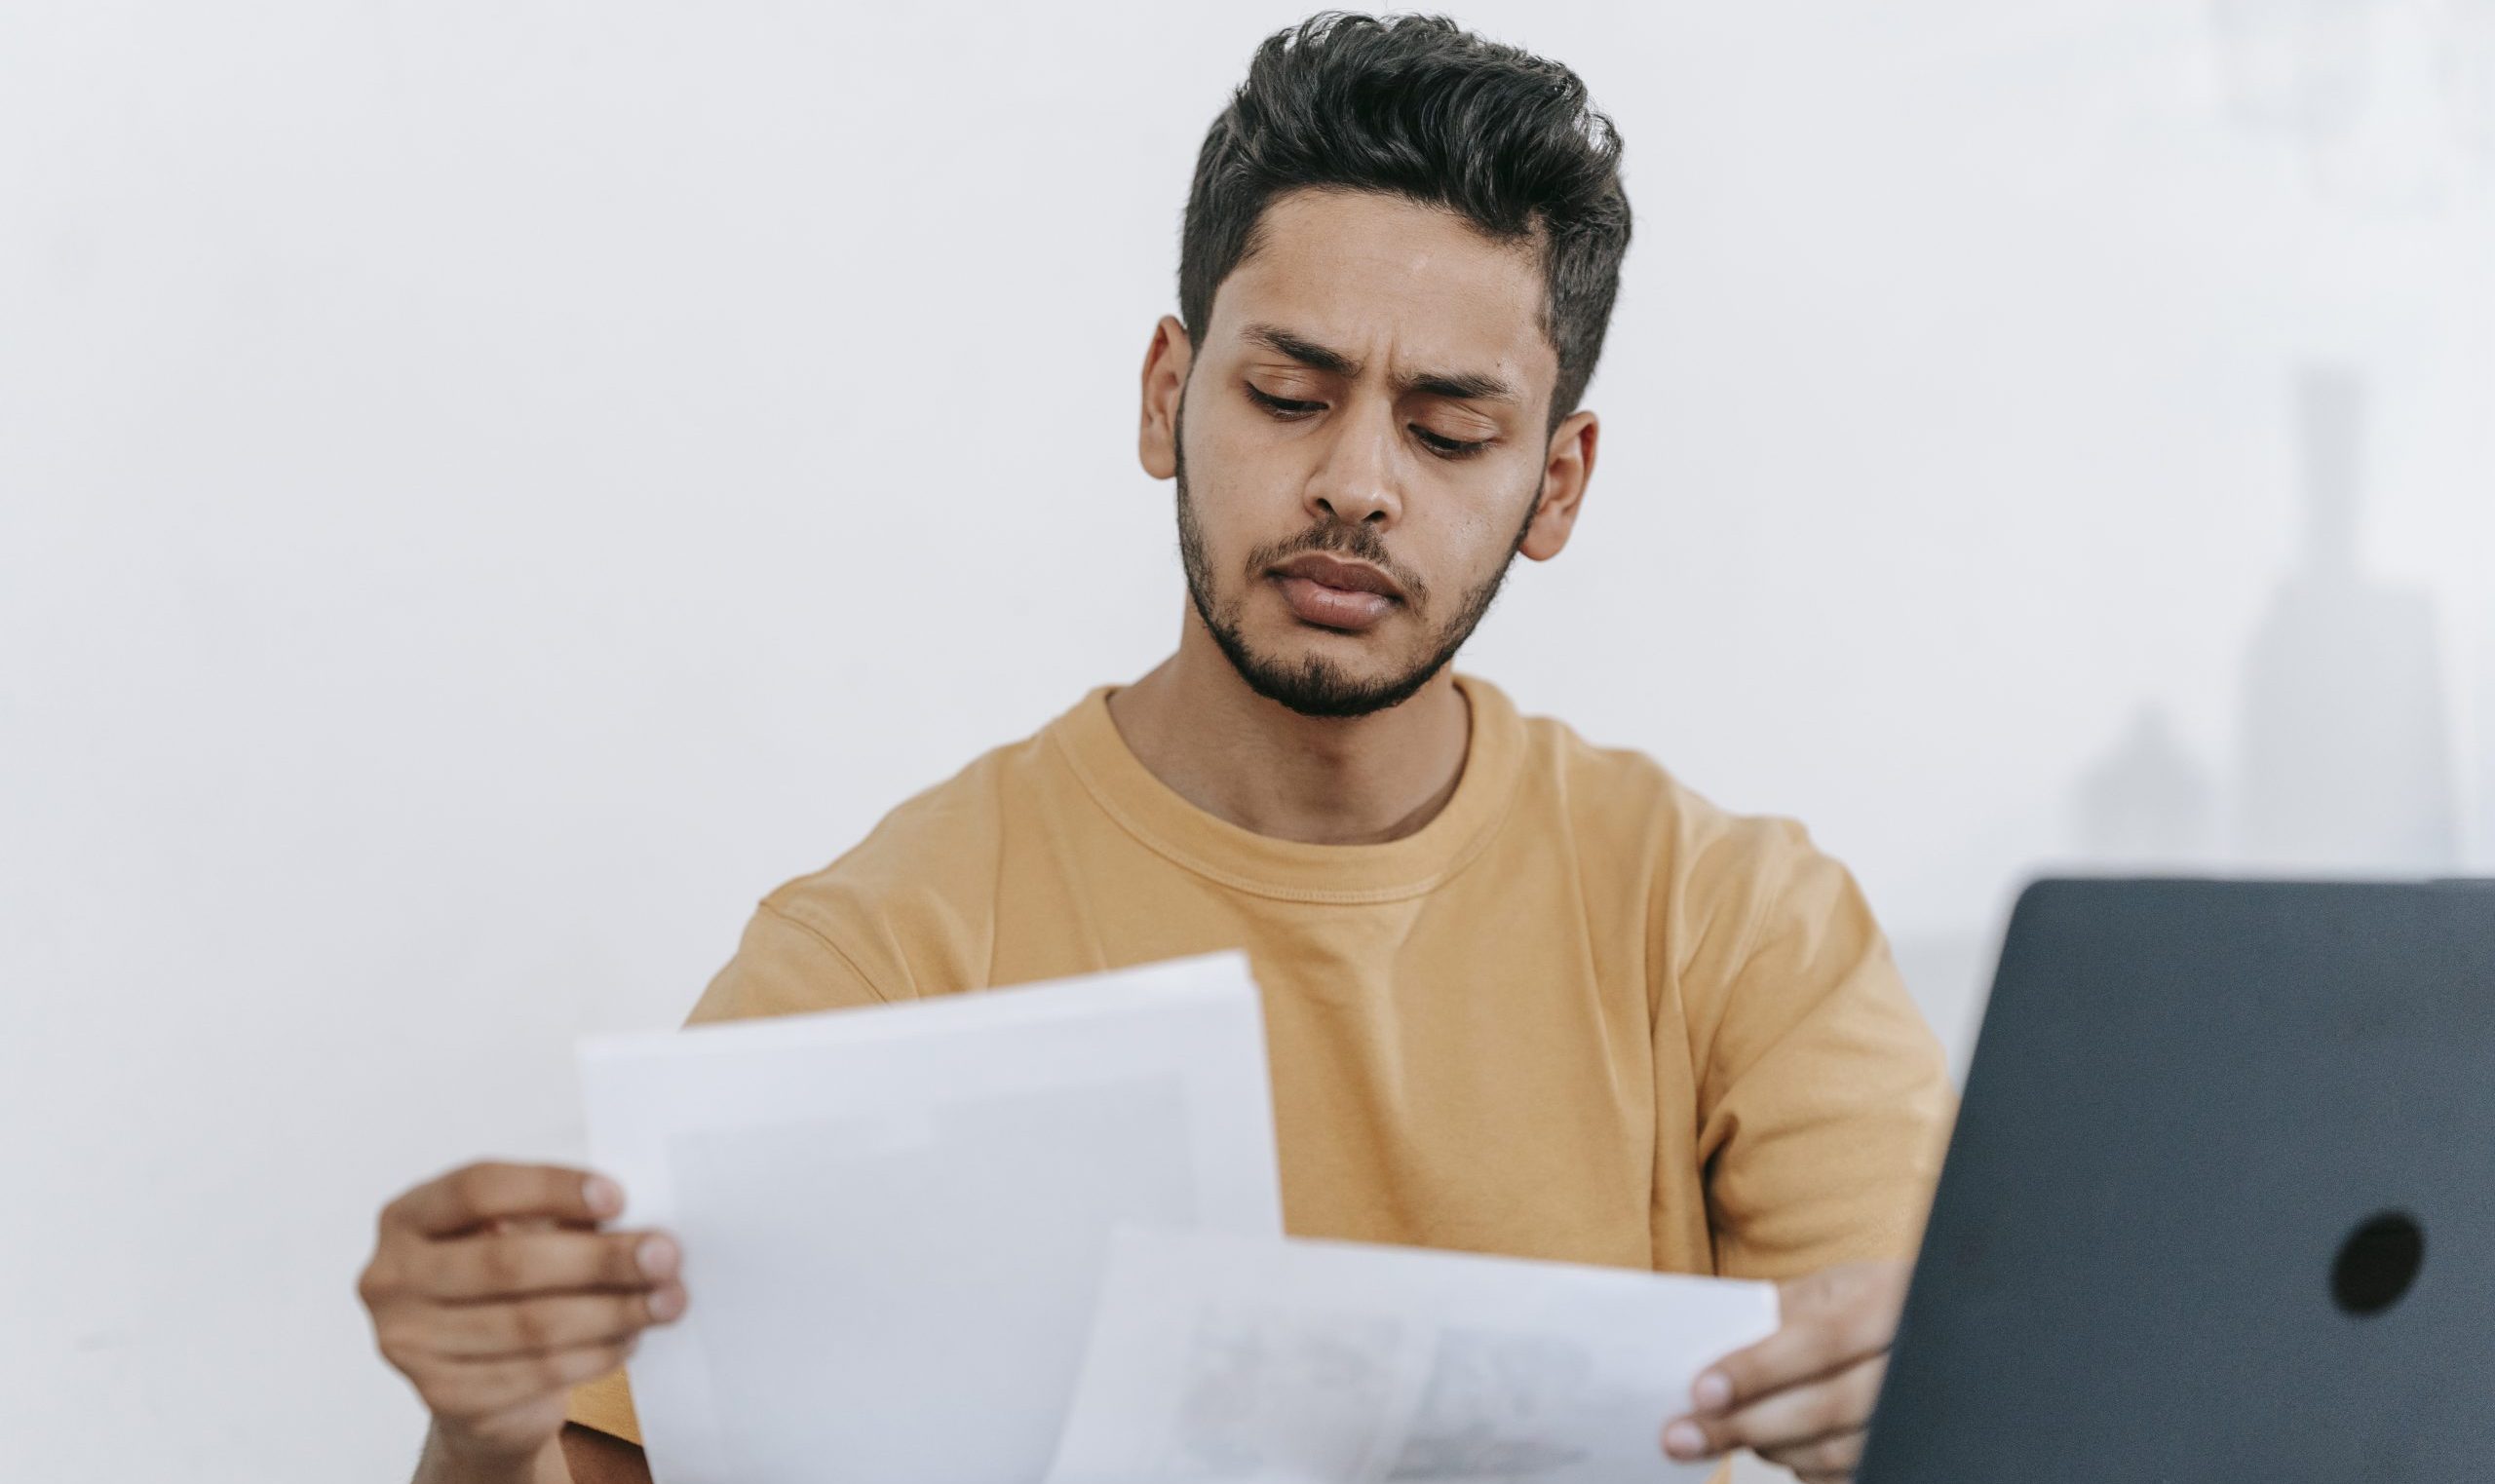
{"points": [[1523, 995]]}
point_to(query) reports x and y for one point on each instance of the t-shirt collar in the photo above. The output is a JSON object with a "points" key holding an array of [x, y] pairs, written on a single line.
{"points": [[1156, 814]]}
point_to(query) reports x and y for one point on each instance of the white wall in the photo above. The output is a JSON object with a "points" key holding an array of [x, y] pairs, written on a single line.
{"points": [[487, 490]]}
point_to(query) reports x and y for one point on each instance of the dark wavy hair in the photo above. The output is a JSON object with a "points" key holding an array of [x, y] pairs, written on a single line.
{"points": [[1416, 106]]}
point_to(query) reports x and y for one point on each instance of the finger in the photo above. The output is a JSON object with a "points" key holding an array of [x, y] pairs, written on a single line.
{"points": [[531, 1224], [1689, 1438], [475, 1194], [1814, 1410], [553, 1323], [470, 1388], [1789, 1417], [1827, 1326], [1834, 1457], [515, 1264]]}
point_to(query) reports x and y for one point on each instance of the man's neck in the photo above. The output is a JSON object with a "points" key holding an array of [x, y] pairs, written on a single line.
{"points": [[1195, 724]]}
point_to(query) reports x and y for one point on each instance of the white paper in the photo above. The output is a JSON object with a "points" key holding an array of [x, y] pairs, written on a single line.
{"points": [[1216, 1359], [894, 1218]]}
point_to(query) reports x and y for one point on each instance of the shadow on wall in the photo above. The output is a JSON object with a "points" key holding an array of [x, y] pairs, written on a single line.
{"points": [[2345, 742], [2344, 752]]}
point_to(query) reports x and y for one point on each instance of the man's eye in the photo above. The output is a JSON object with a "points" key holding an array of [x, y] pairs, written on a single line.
{"points": [[1282, 406], [1288, 410], [1447, 447]]}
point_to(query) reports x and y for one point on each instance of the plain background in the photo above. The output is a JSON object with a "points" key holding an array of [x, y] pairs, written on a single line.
{"points": [[486, 491]]}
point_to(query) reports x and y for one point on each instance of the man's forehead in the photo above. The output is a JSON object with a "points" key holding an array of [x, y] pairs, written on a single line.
{"points": [[1366, 275]]}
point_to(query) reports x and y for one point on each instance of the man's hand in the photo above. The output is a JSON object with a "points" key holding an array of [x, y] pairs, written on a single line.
{"points": [[493, 1290], [1802, 1396]]}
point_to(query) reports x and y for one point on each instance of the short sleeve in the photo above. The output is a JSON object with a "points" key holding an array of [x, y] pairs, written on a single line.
{"points": [[606, 1404], [784, 965], [1825, 1100]]}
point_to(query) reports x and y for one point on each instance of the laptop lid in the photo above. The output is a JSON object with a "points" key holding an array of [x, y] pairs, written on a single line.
{"points": [[2220, 1200]]}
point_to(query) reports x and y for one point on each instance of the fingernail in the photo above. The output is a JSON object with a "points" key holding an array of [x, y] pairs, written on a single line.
{"points": [[1713, 1391], [603, 1197], [666, 1304], [656, 1255], [1683, 1441]]}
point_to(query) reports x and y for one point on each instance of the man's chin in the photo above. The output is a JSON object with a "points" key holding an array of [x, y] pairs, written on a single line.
{"points": [[1309, 673]]}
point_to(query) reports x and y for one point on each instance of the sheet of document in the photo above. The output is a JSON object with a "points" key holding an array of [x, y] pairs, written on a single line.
{"points": [[1219, 1358], [895, 1219]]}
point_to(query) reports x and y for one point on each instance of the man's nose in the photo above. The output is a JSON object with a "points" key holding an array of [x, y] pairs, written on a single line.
{"points": [[1356, 483]]}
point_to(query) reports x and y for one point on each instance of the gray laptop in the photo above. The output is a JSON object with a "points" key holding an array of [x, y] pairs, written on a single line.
{"points": [[2220, 1202]]}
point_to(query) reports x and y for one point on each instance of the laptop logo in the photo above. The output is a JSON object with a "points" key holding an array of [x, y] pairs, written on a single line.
{"points": [[2377, 1263]]}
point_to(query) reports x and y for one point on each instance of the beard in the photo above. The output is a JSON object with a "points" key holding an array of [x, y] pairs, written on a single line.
{"points": [[1314, 685]]}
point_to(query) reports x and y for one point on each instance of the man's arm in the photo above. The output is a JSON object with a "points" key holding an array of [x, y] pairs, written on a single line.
{"points": [[1825, 1100], [1825, 1107]]}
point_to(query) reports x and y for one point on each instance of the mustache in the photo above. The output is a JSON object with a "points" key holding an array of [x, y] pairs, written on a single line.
{"points": [[1336, 539]]}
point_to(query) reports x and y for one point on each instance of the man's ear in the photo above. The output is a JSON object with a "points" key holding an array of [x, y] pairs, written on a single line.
{"points": [[1565, 474], [1164, 379]]}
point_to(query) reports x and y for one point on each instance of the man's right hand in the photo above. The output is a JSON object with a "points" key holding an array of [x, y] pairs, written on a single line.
{"points": [[495, 1293]]}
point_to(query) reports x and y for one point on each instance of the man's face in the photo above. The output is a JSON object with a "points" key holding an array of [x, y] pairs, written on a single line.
{"points": [[1360, 446]]}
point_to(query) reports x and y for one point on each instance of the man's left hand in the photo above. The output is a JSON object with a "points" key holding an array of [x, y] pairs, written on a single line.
{"points": [[1801, 1397]]}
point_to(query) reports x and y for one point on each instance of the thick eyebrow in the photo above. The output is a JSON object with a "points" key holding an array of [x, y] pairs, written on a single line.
{"points": [[1463, 385]]}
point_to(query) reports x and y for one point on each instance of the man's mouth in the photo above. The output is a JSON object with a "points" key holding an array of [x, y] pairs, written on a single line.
{"points": [[1331, 593]]}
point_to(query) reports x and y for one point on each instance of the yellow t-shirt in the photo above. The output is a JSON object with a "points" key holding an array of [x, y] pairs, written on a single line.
{"points": [[1581, 1015]]}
